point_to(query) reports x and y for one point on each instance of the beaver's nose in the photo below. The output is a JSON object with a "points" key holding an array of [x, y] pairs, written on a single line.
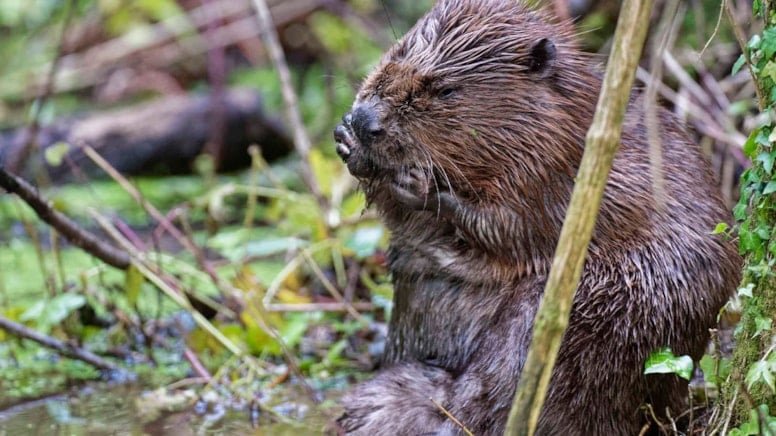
{"points": [[365, 124]]}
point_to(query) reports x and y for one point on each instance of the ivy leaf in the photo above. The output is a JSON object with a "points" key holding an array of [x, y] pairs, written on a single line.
{"points": [[750, 146], [746, 291], [760, 372], [762, 324], [769, 43], [754, 43], [767, 161], [770, 70], [748, 240], [714, 370], [663, 361], [720, 228], [739, 212]]}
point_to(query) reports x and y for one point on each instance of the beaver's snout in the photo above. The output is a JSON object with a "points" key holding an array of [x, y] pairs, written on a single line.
{"points": [[365, 123], [354, 138], [360, 127]]}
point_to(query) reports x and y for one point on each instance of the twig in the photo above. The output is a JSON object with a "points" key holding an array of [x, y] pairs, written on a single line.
{"points": [[330, 287], [729, 413], [257, 310], [672, 421], [665, 40], [197, 365], [63, 348], [320, 307], [65, 226], [187, 382], [716, 28], [601, 144], [301, 139], [170, 40], [163, 283], [741, 38], [452, 418], [705, 124], [183, 239], [16, 162], [216, 71], [34, 235]]}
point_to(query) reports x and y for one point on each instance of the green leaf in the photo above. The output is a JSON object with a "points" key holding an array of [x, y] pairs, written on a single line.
{"points": [[55, 154], [754, 42], [769, 43], [365, 241], [750, 146], [763, 136], [663, 361], [762, 324], [720, 228], [715, 371], [52, 312], [133, 282], [770, 188], [767, 161], [760, 372], [769, 71], [748, 241], [746, 291], [739, 212], [272, 246], [739, 63]]}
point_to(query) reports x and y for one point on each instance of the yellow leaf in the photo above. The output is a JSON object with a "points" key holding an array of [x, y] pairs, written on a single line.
{"points": [[286, 295]]}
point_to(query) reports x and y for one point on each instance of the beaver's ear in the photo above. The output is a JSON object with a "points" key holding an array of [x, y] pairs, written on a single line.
{"points": [[542, 58]]}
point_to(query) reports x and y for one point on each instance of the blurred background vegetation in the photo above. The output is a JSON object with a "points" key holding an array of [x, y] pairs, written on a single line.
{"points": [[258, 289]]}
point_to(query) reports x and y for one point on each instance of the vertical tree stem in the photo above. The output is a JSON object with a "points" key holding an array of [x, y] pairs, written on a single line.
{"points": [[602, 142], [301, 140]]}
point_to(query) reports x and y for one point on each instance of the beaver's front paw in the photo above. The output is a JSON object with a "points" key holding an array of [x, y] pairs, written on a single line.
{"points": [[412, 189], [417, 190]]}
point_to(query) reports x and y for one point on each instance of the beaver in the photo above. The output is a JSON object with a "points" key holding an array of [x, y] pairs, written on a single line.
{"points": [[467, 137]]}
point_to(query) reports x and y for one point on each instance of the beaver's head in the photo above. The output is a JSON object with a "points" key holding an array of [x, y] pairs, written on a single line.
{"points": [[473, 85]]}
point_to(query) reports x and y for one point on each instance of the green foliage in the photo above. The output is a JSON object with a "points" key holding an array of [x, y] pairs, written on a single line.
{"points": [[754, 361], [758, 418], [715, 370], [285, 246], [50, 312], [664, 361]]}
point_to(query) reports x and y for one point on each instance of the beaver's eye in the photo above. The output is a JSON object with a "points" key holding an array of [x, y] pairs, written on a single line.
{"points": [[447, 92]]}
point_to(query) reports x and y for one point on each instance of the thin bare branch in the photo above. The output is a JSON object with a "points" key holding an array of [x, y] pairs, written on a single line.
{"points": [[320, 307], [63, 348], [664, 40], [301, 139], [65, 226], [16, 162]]}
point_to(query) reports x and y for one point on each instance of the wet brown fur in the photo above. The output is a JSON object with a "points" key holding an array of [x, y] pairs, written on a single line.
{"points": [[490, 143]]}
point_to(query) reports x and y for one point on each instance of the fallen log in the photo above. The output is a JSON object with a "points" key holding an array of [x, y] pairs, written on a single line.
{"points": [[162, 136]]}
